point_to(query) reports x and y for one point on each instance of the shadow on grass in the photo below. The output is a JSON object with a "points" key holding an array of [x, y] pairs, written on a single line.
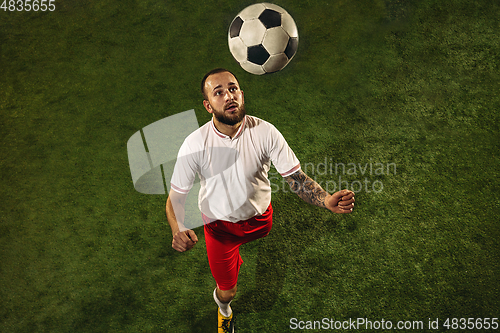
{"points": [[278, 251], [269, 281], [98, 313]]}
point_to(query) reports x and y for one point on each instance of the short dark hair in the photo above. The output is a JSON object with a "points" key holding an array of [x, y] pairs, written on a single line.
{"points": [[213, 71]]}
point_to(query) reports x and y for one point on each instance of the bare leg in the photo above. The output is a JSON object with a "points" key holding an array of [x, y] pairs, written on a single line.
{"points": [[226, 296], [223, 298]]}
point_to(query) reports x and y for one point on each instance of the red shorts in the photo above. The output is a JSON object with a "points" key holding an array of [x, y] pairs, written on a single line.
{"points": [[223, 240]]}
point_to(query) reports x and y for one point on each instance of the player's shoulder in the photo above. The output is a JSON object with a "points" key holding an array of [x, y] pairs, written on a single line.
{"points": [[199, 133], [253, 122], [263, 128], [196, 139]]}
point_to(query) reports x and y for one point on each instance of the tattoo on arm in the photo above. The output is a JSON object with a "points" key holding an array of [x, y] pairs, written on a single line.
{"points": [[306, 188]]}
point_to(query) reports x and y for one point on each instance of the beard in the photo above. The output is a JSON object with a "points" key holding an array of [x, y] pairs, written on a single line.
{"points": [[230, 118]]}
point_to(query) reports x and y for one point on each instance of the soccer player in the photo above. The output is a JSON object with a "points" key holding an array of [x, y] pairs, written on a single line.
{"points": [[232, 155]]}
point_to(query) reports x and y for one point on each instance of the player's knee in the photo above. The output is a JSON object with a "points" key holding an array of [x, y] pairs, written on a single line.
{"points": [[226, 296]]}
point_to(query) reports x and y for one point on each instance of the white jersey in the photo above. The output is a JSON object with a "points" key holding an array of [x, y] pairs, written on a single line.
{"points": [[233, 171]]}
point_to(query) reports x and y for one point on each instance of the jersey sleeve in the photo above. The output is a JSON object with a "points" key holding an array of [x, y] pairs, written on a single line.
{"points": [[185, 170], [281, 155]]}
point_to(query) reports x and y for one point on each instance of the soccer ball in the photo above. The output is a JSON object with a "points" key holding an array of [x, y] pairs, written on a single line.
{"points": [[263, 38]]}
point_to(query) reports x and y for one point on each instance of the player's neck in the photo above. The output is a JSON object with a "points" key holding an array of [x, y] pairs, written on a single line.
{"points": [[229, 130]]}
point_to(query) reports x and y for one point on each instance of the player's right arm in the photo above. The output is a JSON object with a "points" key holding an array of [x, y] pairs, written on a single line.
{"points": [[183, 239]]}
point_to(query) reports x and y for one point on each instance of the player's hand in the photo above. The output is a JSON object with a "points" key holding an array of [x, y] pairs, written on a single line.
{"points": [[341, 202], [184, 240]]}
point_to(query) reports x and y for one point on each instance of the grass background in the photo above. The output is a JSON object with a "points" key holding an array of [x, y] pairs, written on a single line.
{"points": [[413, 83]]}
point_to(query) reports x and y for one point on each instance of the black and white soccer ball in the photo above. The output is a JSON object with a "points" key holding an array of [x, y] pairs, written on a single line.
{"points": [[263, 38]]}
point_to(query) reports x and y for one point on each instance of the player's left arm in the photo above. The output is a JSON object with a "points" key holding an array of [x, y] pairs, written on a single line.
{"points": [[311, 192]]}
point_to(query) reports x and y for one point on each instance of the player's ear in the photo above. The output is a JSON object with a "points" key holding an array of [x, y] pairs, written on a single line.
{"points": [[207, 106]]}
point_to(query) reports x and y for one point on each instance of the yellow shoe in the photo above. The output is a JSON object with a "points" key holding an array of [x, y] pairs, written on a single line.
{"points": [[225, 324]]}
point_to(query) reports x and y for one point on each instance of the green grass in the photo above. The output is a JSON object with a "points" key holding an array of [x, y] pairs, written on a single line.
{"points": [[414, 83]]}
